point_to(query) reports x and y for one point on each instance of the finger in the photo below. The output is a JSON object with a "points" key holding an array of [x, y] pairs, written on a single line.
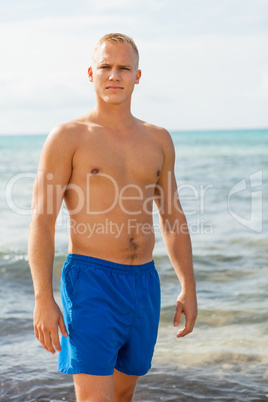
{"points": [[42, 341], [36, 333], [55, 339], [62, 327], [189, 325], [181, 333], [48, 342], [177, 316], [40, 337]]}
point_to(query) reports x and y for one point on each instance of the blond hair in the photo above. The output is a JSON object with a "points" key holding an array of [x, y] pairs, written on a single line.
{"points": [[119, 38]]}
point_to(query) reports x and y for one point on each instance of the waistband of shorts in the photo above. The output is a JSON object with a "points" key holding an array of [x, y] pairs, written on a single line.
{"points": [[85, 260]]}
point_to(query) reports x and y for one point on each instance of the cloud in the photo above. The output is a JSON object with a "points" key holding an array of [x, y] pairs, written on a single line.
{"points": [[212, 81], [204, 63]]}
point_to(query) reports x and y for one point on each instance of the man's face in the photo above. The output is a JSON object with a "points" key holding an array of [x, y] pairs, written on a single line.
{"points": [[114, 72]]}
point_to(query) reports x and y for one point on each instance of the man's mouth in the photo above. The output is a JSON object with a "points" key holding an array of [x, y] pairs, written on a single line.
{"points": [[115, 88]]}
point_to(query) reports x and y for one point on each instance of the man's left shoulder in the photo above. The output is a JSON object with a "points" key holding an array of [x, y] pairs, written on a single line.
{"points": [[161, 135], [156, 131]]}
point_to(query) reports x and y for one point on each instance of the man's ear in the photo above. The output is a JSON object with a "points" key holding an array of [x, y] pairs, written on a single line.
{"points": [[90, 74], [138, 76]]}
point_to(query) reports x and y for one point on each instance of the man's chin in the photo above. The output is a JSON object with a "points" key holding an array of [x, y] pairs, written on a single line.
{"points": [[114, 100]]}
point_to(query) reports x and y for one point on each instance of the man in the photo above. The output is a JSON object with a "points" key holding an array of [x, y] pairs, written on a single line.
{"points": [[108, 166]]}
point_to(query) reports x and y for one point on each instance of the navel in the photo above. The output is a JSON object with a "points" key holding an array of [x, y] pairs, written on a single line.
{"points": [[158, 172], [132, 244]]}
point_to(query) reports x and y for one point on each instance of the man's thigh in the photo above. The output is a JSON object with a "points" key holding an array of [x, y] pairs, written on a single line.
{"points": [[118, 387], [124, 386], [93, 388]]}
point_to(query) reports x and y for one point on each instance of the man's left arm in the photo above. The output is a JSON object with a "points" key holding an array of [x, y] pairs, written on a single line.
{"points": [[176, 238]]}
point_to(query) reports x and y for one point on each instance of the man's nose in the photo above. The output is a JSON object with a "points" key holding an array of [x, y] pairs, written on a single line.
{"points": [[114, 75]]}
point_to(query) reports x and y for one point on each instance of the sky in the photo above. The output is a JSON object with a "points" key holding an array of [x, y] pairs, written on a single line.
{"points": [[204, 62]]}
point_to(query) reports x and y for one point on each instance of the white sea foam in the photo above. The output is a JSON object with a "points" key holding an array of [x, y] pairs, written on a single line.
{"points": [[227, 347]]}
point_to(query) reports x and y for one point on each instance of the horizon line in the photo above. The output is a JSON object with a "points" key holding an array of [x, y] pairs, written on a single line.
{"points": [[170, 130]]}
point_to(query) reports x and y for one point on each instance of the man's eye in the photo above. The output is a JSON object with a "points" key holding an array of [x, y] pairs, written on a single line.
{"points": [[103, 66]]}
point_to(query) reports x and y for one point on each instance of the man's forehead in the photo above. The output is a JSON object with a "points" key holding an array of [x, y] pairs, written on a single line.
{"points": [[121, 52]]}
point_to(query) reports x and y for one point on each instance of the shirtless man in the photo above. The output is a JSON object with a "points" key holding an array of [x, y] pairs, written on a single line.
{"points": [[108, 167]]}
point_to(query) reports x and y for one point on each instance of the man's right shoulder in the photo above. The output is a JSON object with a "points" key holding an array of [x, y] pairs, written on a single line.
{"points": [[67, 134], [61, 141], [65, 130]]}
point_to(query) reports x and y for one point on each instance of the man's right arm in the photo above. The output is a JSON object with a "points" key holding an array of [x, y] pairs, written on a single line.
{"points": [[54, 172]]}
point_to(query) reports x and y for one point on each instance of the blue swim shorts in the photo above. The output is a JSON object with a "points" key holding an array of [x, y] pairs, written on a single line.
{"points": [[111, 312]]}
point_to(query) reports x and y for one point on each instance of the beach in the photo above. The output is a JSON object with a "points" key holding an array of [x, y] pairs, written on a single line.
{"points": [[222, 177]]}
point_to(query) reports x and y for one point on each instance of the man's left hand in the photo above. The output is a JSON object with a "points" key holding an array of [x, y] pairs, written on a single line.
{"points": [[186, 304]]}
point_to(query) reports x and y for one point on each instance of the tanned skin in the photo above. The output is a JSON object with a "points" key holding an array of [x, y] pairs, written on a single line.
{"points": [[108, 167]]}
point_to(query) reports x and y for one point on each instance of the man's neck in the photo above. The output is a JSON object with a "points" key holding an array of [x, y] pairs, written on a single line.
{"points": [[113, 116]]}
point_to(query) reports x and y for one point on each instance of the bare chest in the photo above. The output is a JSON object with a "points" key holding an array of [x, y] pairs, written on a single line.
{"points": [[129, 161]]}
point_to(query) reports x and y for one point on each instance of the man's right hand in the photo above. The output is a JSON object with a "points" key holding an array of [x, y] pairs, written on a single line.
{"points": [[47, 319]]}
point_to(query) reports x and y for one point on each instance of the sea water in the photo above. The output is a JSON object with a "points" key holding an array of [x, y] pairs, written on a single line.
{"points": [[222, 182]]}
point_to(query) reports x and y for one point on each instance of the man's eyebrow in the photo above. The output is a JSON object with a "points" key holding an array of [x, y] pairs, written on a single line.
{"points": [[106, 63]]}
